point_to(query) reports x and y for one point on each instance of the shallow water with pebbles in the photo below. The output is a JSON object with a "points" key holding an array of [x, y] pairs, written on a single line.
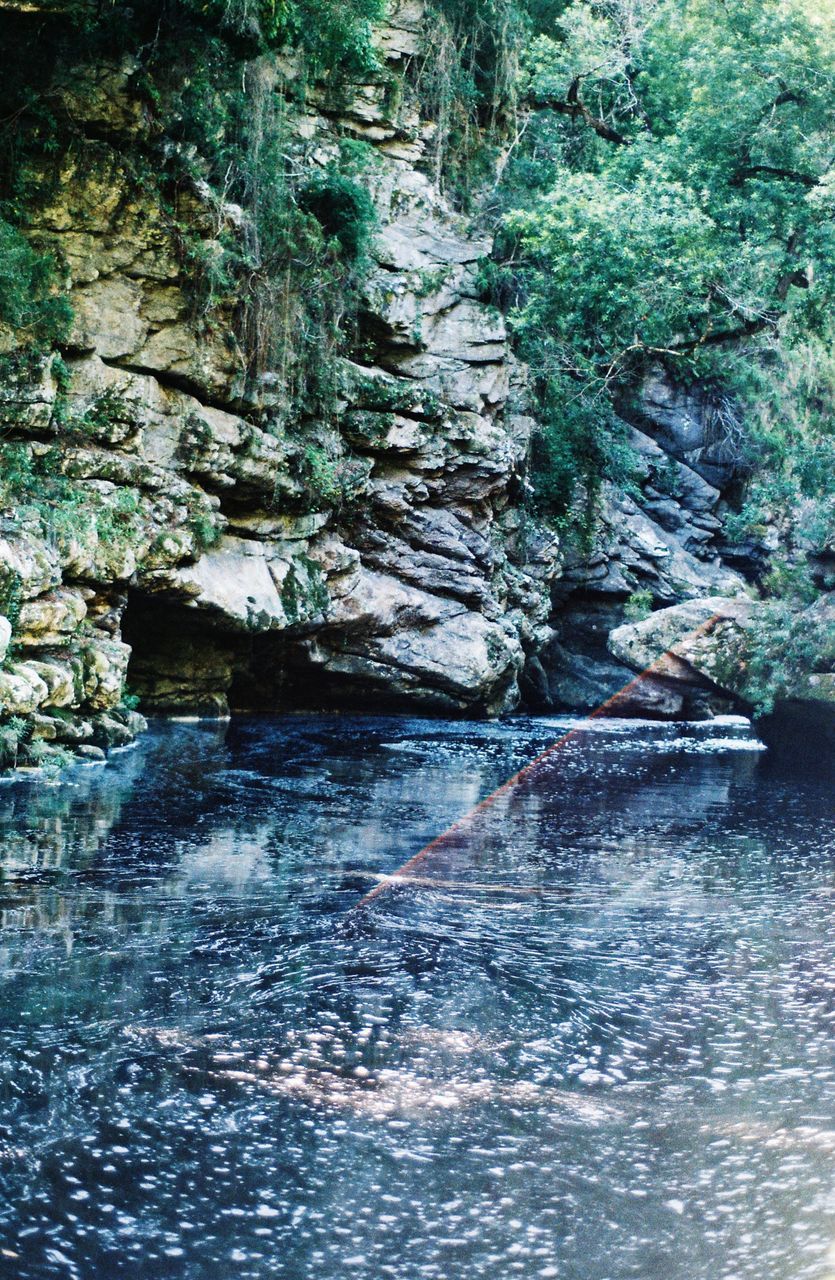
{"points": [[590, 1036]]}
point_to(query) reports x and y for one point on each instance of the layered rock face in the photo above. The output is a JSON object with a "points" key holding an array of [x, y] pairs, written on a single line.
{"points": [[207, 550], [653, 546], [215, 559], [699, 651]]}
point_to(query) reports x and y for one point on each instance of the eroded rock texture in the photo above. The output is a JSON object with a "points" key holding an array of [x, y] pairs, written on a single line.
{"points": [[213, 549], [653, 546], [220, 568]]}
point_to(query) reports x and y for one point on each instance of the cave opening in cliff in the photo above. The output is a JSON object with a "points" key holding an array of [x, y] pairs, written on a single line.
{"points": [[180, 662], [183, 662]]}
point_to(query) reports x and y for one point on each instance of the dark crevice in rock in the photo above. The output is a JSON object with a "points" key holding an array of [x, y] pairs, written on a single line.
{"points": [[178, 663]]}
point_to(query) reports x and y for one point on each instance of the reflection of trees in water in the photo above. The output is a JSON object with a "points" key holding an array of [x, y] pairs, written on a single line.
{"points": [[62, 824], [198, 853], [48, 826], [543, 900], [148, 884]]}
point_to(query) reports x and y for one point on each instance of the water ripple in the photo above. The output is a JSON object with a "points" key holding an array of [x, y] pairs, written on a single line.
{"points": [[589, 1037]]}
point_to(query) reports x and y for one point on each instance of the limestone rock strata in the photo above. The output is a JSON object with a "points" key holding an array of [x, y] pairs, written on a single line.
{"points": [[700, 650], [655, 545], [200, 558]]}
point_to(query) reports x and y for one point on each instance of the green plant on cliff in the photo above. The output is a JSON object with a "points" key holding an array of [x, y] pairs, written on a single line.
{"points": [[333, 479], [568, 454], [117, 520], [666, 197], [789, 487], [292, 263], [64, 510], [49, 756], [334, 36], [32, 305], [14, 734], [303, 263], [11, 594], [467, 82], [787, 641], [216, 109], [638, 606], [343, 210]]}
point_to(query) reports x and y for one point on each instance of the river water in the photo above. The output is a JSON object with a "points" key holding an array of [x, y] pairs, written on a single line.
{"points": [[590, 1036]]}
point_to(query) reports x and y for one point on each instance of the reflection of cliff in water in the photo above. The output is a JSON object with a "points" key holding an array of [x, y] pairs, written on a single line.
{"points": [[58, 836], [589, 996], [229, 805]]}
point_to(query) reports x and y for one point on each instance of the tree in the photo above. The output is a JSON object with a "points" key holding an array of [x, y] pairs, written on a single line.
{"points": [[672, 196]]}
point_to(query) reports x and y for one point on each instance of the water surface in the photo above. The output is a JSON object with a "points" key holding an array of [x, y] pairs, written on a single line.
{"points": [[588, 1037]]}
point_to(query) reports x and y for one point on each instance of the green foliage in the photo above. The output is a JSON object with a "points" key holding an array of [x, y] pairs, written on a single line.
{"points": [[11, 594], [334, 35], [31, 303], [33, 485], [333, 479], [304, 593], [48, 756], [788, 580], [638, 606], [789, 400], [21, 479], [343, 210], [294, 265], [786, 642], [105, 412], [579, 442], [666, 477], [467, 84], [13, 735], [609, 271], [667, 199], [205, 530], [116, 521], [216, 113]]}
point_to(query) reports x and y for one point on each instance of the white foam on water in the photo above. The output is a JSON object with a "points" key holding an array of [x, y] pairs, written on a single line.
{"points": [[708, 746], [197, 719]]}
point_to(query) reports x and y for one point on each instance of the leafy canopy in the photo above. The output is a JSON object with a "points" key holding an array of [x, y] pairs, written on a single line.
{"points": [[668, 196]]}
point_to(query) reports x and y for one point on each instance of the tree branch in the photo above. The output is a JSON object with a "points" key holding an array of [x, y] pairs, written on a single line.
{"points": [[771, 171], [800, 280], [572, 106]]}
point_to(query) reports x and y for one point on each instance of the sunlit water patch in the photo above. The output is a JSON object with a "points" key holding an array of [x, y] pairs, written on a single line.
{"points": [[589, 1036]]}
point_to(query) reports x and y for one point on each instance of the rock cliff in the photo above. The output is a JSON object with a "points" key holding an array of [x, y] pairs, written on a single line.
{"points": [[182, 528], [655, 544], [221, 554]]}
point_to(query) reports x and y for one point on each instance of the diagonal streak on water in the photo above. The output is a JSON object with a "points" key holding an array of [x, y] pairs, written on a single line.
{"points": [[596, 1044], [526, 774]]}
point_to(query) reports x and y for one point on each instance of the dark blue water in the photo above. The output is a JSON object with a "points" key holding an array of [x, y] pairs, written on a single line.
{"points": [[590, 1037]]}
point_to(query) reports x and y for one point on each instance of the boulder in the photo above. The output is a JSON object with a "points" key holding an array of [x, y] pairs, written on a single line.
{"points": [[105, 664], [705, 644], [21, 690], [690, 642], [580, 682], [60, 678], [49, 618]]}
